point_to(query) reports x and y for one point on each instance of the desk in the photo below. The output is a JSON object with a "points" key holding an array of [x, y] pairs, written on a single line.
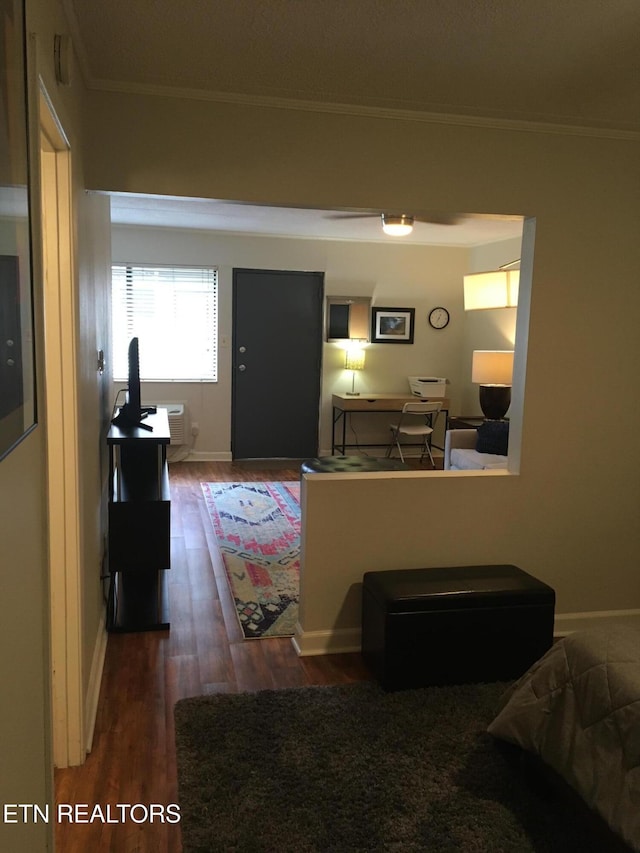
{"points": [[344, 405]]}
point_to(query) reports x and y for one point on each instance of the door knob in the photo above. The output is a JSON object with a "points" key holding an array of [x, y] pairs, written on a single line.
{"points": [[242, 367]]}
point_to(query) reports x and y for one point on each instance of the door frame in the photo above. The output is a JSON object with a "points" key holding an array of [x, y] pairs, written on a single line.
{"points": [[62, 439]]}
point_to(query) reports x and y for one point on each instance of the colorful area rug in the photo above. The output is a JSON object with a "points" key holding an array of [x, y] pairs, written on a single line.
{"points": [[257, 526]]}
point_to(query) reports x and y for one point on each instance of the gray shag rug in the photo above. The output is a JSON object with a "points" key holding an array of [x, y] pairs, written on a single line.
{"points": [[350, 768]]}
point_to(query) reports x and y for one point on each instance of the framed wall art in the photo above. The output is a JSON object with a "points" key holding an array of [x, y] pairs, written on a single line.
{"points": [[17, 369], [392, 325]]}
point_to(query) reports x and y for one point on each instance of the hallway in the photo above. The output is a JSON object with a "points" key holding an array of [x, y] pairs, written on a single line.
{"points": [[133, 755]]}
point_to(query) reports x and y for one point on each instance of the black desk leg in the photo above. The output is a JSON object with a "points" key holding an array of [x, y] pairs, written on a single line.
{"points": [[337, 414]]}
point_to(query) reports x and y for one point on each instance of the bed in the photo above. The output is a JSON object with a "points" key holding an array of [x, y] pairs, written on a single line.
{"points": [[578, 710]]}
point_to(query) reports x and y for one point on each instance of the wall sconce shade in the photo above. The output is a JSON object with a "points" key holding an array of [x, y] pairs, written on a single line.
{"points": [[493, 371], [496, 289], [397, 226]]}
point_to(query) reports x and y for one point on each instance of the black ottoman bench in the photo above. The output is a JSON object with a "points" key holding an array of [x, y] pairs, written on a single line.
{"points": [[423, 627], [350, 464]]}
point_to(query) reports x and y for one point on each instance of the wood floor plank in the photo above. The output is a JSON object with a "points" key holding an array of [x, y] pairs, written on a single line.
{"points": [[211, 633], [202, 582], [133, 755]]}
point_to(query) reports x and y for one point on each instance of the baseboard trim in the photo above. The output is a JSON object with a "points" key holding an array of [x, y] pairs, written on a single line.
{"points": [[343, 641], [568, 623], [209, 456], [348, 640], [95, 681]]}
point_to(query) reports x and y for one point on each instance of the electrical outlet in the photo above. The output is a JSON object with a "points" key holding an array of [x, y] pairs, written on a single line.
{"points": [[195, 428]]}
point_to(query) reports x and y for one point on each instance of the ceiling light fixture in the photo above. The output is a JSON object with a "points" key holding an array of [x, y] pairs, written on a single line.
{"points": [[397, 226]]}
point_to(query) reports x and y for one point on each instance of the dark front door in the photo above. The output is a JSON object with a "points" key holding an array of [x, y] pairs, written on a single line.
{"points": [[277, 356]]}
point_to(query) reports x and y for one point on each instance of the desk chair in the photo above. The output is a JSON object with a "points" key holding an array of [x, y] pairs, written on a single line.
{"points": [[416, 419]]}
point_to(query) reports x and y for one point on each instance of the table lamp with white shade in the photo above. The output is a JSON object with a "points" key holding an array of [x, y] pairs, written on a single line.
{"points": [[493, 371]]}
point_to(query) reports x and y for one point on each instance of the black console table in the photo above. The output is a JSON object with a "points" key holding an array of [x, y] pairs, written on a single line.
{"points": [[139, 525]]}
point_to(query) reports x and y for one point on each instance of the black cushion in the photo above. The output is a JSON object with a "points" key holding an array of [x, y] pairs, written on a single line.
{"points": [[493, 437], [421, 590]]}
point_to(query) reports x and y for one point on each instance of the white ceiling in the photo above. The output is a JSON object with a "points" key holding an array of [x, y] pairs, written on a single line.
{"points": [[213, 215], [540, 63]]}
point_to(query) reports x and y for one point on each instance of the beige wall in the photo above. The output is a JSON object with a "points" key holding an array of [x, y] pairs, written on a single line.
{"points": [[570, 515], [24, 710]]}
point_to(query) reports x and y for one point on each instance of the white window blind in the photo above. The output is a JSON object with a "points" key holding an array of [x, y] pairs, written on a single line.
{"points": [[174, 313]]}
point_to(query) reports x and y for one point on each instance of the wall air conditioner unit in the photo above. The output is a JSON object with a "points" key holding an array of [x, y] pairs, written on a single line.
{"points": [[178, 421]]}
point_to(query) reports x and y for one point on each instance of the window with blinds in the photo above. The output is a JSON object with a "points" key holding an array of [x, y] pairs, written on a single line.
{"points": [[174, 313]]}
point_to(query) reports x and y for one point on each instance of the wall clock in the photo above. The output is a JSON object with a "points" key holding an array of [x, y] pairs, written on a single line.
{"points": [[438, 318]]}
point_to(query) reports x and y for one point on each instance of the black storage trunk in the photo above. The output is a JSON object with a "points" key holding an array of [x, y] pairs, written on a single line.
{"points": [[423, 627]]}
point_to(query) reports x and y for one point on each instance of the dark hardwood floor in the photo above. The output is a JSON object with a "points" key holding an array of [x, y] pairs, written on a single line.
{"points": [[133, 755]]}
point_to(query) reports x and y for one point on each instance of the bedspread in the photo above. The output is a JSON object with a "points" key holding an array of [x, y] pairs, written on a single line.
{"points": [[578, 709]]}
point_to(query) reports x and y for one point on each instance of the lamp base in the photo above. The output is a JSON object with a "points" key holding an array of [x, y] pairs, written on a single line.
{"points": [[353, 392], [495, 401]]}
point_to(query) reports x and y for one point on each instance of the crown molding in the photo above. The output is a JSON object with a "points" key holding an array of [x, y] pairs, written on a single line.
{"points": [[363, 111]]}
